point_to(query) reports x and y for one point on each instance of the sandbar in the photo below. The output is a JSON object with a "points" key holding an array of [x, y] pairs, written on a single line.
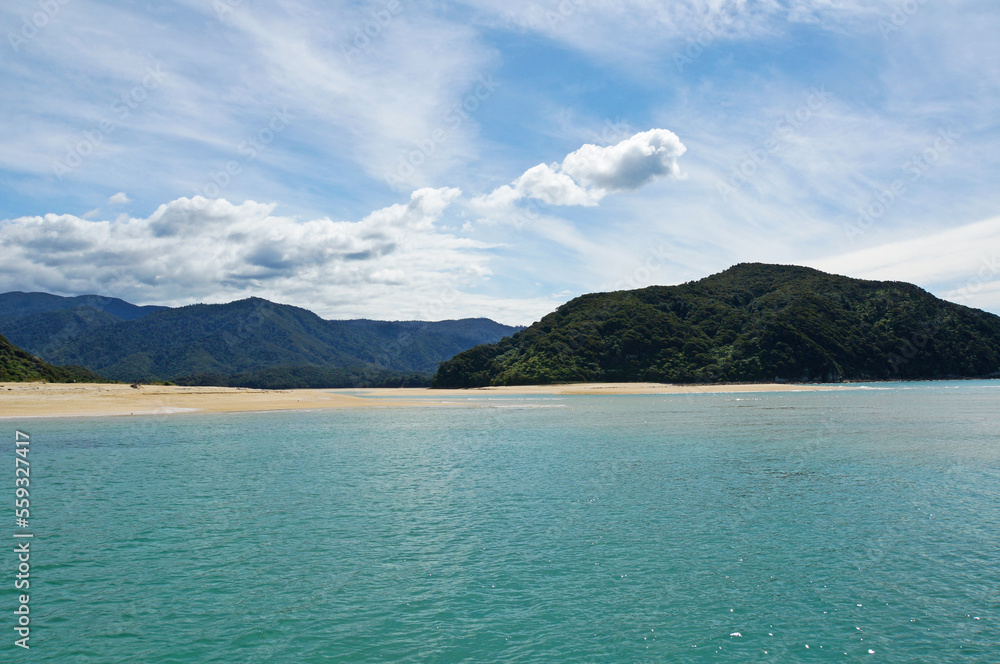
{"points": [[32, 400]]}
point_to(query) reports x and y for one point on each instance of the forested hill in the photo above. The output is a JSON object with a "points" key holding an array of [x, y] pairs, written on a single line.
{"points": [[752, 323], [17, 365], [251, 342]]}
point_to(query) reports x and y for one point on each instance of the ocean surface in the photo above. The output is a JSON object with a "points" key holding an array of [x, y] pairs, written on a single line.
{"points": [[857, 526]]}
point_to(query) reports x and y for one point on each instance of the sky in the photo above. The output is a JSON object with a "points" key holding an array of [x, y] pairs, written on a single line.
{"points": [[431, 160]]}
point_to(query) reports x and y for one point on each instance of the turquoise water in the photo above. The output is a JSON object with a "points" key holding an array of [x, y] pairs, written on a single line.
{"points": [[682, 528]]}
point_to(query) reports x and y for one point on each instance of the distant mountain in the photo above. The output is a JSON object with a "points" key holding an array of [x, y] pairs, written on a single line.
{"points": [[17, 365], [751, 323], [252, 342]]}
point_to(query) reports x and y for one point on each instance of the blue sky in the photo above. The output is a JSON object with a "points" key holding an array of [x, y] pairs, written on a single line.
{"points": [[432, 160]]}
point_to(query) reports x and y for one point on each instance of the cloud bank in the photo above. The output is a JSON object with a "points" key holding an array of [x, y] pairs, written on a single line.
{"points": [[392, 263]]}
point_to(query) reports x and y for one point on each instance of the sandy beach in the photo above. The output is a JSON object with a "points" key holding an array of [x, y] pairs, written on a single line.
{"points": [[24, 400]]}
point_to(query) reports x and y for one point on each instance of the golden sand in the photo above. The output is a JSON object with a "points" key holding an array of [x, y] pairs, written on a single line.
{"points": [[22, 400]]}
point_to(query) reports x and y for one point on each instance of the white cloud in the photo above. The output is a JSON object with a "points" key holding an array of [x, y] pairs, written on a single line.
{"points": [[589, 174], [627, 165], [121, 198], [394, 263], [547, 184], [501, 197]]}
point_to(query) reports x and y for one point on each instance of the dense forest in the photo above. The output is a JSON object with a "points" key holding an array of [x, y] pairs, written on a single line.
{"points": [[750, 323]]}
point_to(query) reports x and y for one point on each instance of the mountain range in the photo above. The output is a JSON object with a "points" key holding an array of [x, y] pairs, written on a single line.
{"points": [[751, 323], [248, 343]]}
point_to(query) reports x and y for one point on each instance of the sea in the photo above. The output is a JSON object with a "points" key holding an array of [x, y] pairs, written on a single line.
{"points": [[860, 525]]}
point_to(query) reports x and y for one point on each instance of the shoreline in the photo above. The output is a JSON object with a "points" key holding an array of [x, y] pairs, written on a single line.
{"points": [[45, 400]]}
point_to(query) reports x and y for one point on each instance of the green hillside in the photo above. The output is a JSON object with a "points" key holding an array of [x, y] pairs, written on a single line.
{"points": [[17, 365], [751, 323]]}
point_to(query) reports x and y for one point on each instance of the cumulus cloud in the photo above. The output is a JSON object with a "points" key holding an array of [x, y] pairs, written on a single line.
{"points": [[627, 165], [394, 263], [589, 174], [548, 184], [121, 198]]}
